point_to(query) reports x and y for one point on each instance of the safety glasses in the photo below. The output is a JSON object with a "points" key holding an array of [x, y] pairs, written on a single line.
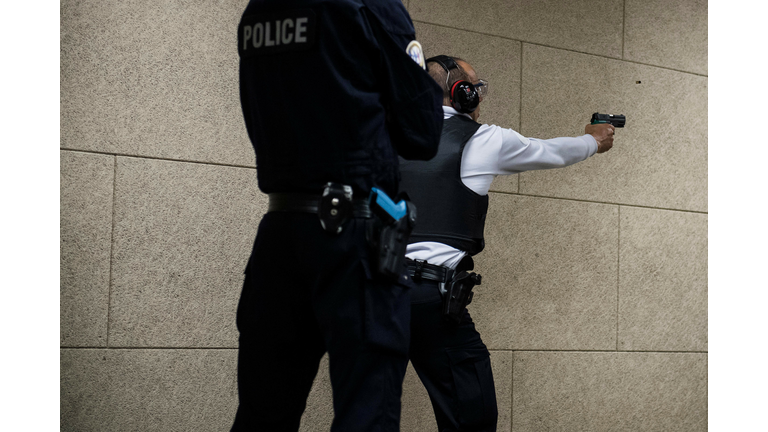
{"points": [[482, 88]]}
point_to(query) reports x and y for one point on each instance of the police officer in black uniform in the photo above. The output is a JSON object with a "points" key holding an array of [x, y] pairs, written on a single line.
{"points": [[332, 92]]}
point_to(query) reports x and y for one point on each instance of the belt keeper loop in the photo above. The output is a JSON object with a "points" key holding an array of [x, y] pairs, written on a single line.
{"points": [[448, 275], [419, 267]]}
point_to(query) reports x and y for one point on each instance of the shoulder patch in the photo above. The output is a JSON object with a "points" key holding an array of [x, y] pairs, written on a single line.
{"points": [[417, 53], [293, 30]]}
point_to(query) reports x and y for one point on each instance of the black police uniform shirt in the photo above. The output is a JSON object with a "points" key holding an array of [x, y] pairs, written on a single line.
{"points": [[333, 91]]}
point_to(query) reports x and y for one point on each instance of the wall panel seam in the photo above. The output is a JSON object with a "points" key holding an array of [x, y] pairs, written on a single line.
{"points": [[520, 109], [623, 28], [600, 202], [618, 274], [520, 113], [112, 348], [512, 397], [567, 49], [111, 245], [158, 158]]}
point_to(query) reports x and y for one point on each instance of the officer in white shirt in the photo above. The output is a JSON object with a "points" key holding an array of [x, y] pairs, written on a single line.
{"points": [[451, 194]]}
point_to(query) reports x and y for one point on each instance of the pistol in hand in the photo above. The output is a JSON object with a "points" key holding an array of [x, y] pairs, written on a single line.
{"points": [[616, 120]]}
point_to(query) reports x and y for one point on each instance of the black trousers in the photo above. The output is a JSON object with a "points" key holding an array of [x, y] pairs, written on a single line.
{"points": [[453, 363], [307, 292]]}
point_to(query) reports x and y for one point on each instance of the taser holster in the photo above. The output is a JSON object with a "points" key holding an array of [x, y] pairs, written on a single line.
{"points": [[388, 233]]}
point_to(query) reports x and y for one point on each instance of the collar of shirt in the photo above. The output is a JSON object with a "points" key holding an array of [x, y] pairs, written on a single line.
{"points": [[449, 112]]}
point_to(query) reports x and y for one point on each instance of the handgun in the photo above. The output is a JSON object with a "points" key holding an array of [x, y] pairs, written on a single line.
{"points": [[616, 120]]}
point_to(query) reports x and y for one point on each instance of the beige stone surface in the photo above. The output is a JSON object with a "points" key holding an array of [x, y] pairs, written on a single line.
{"points": [[643, 392], [494, 59], [147, 390], [507, 183], [153, 78], [183, 234], [668, 34], [663, 280], [549, 275], [578, 25], [658, 160], [86, 187]]}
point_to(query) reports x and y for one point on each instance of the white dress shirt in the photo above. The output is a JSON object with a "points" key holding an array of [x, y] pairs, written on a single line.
{"points": [[493, 151]]}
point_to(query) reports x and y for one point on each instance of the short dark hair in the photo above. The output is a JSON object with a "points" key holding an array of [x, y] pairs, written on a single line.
{"points": [[440, 75]]}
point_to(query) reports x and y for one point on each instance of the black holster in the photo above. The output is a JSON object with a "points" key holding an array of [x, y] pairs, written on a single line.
{"points": [[387, 242], [458, 294]]}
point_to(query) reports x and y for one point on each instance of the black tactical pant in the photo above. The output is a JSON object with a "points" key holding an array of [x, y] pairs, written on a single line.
{"points": [[307, 292], [453, 364]]}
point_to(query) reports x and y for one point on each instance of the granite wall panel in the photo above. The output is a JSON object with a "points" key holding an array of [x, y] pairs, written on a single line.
{"points": [[663, 280], [183, 234], [153, 78], [578, 25], [86, 188], [576, 391], [667, 34], [658, 160], [147, 390], [549, 275]]}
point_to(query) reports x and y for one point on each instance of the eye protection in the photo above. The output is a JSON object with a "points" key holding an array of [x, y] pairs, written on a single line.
{"points": [[482, 88]]}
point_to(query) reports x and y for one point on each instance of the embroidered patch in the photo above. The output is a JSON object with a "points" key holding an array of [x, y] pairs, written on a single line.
{"points": [[275, 33], [417, 54]]}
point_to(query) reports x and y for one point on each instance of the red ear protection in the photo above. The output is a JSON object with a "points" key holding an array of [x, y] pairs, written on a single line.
{"points": [[464, 97]]}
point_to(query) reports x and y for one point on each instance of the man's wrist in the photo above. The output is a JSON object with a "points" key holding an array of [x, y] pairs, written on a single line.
{"points": [[596, 146]]}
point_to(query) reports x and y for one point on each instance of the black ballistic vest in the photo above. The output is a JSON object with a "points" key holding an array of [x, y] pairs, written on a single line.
{"points": [[447, 211]]}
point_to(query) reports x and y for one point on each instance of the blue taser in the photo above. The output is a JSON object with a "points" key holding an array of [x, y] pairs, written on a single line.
{"points": [[379, 198]]}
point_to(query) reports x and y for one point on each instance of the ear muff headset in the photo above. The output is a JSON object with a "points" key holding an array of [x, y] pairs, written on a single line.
{"points": [[464, 97]]}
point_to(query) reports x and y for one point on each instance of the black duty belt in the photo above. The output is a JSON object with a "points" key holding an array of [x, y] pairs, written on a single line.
{"points": [[420, 269], [310, 203]]}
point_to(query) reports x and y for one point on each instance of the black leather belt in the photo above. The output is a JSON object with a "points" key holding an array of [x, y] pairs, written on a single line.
{"points": [[310, 203], [419, 269]]}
